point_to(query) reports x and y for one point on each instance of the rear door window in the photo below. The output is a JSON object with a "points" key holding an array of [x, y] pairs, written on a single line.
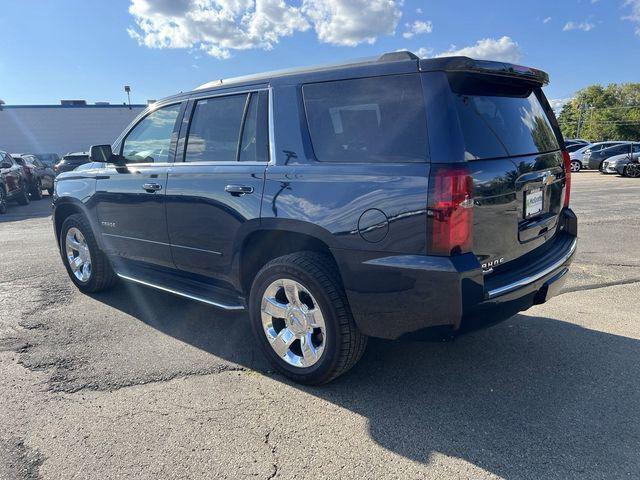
{"points": [[214, 131], [377, 119], [616, 150], [501, 120]]}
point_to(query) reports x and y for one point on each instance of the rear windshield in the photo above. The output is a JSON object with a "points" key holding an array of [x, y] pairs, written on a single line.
{"points": [[76, 159], [501, 120], [377, 119]]}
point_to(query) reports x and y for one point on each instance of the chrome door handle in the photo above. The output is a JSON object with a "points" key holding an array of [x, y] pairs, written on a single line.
{"points": [[152, 187], [238, 190]]}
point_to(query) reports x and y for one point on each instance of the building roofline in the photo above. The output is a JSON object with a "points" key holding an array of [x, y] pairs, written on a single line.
{"points": [[8, 107]]}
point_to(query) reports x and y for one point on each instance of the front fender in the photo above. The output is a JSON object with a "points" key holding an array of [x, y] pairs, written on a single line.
{"points": [[74, 194]]}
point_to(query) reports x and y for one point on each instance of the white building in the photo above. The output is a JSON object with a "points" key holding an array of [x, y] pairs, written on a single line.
{"points": [[71, 126]]}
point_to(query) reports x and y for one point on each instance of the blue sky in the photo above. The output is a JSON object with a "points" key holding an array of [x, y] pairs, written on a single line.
{"points": [[89, 49]]}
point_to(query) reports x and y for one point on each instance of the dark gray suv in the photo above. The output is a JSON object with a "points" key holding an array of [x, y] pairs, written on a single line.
{"points": [[393, 198]]}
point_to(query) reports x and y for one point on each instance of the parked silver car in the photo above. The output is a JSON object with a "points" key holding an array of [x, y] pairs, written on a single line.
{"points": [[617, 163], [577, 157], [593, 159]]}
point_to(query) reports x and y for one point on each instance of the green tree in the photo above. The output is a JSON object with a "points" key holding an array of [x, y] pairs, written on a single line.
{"points": [[603, 113]]}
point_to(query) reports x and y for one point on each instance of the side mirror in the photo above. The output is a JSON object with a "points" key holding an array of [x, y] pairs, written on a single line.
{"points": [[100, 153]]}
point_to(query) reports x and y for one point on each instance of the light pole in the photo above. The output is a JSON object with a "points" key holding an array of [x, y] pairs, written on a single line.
{"points": [[127, 89]]}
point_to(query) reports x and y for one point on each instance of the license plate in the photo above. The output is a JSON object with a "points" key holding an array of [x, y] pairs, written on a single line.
{"points": [[533, 203]]}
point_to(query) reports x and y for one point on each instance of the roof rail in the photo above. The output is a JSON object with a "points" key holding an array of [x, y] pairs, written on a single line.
{"points": [[398, 56], [386, 57]]}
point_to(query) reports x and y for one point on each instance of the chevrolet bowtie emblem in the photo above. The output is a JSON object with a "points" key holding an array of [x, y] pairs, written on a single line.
{"points": [[548, 178]]}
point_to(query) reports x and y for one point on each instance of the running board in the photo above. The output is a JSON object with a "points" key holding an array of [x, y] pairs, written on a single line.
{"points": [[208, 296]]}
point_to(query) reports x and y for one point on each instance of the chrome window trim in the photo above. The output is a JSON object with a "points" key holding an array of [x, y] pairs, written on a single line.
{"points": [[270, 122], [523, 282], [212, 163], [204, 96], [272, 136]]}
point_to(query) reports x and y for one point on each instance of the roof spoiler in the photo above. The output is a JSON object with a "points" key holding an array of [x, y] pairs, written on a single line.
{"points": [[466, 64]]}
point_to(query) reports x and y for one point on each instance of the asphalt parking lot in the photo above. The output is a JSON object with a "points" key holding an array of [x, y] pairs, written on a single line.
{"points": [[141, 384]]}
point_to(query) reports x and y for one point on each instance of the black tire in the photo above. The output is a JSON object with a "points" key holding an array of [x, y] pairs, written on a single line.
{"points": [[23, 197], [36, 191], [344, 344], [576, 166], [632, 171], [102, 276], [3, 200]]}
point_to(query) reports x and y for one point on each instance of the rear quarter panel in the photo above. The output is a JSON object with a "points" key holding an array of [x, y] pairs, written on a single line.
{"points": [[376, 207]]}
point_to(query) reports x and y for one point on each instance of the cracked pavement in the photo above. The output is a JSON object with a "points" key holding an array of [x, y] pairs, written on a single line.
{"points": [[135, 383]]}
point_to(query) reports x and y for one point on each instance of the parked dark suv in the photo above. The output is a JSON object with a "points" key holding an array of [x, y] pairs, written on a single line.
{"points": [[395, 198], [71, 161], [594, 159], [13, 182]]}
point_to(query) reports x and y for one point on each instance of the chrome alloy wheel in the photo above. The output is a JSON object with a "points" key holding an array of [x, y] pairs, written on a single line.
{"points": [[293, 323], [575, 166], [78, 254]]}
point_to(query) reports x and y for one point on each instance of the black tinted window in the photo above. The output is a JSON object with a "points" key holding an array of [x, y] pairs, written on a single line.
{"points": [[575, 147], [380, 119], [150, 139], [255, 133], [215, 129], [597, 148], [617, 150], [76, 160], [501, 120]]}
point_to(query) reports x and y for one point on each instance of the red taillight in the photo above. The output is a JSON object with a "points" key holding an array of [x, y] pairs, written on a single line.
{"points": [[567, 176], [450, 210]]}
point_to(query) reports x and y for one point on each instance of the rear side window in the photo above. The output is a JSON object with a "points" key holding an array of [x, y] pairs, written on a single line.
{"points": [[618, 149], [574, 147], [501, 120], [215, 129], [378, 119], [229, 128]]}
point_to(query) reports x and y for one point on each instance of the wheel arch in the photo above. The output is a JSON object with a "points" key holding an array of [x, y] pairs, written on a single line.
{"points": [[64, 208], [263, 245]]}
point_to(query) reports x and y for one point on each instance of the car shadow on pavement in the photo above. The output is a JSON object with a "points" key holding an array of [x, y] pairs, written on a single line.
{"points": [[532, 397]]}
